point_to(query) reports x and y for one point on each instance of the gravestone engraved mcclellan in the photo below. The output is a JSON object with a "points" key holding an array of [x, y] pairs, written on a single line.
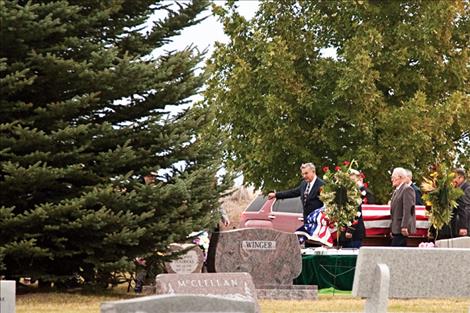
{"points": [[232, 285], [218, 284]]}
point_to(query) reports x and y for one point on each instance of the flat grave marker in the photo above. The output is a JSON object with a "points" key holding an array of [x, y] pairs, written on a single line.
{"points": [[180, 304]]}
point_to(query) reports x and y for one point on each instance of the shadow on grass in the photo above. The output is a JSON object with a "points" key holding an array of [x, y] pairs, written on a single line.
{"points": [[118, 292]]}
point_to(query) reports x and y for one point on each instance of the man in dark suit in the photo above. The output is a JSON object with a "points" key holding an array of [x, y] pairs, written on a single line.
{"points": [[461, 216], [459, 225], [308, 190], [402, 208], [419, 200]]}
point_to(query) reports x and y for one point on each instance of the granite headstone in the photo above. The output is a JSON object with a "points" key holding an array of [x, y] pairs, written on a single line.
{"points": [[272, 257], [415, 272], [460, 242], [215, 284], [180, 304], [7, 296], [392, 272], [191, 261]]}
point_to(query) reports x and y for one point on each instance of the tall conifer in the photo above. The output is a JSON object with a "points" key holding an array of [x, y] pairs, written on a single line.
{"points": [[82, 117]]}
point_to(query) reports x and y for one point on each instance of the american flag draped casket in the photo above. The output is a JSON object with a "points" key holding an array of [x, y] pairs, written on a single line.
{"points": [[377, 220]]}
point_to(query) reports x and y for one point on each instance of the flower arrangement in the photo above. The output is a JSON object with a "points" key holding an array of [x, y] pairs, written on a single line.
{"points": [[201, 238], [440, 196], [426, 245], [340, 195]]}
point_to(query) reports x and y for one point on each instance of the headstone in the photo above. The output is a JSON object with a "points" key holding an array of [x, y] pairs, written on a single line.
{"points": [[189, 262], [239, 285], [215, 284], [192, 261], [294, 292], [7, 296], [403, 273], [272, 258], [460, 242], [180, 304]]}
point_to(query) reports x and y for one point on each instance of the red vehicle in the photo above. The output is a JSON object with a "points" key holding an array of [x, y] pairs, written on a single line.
{"points": [[280, 214], [286, 215]]}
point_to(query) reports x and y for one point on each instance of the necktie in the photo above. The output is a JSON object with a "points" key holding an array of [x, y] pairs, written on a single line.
{"points": [[307, 190]]}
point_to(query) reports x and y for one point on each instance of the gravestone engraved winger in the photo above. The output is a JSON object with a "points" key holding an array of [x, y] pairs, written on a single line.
{"points": [[273, 259], [189, 262], [180, 304], [7, 296]]}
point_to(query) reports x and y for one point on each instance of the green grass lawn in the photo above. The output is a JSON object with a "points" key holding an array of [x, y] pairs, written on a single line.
{"points": [[90, 303]]}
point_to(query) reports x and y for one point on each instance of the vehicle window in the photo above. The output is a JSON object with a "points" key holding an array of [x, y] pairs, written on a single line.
{"points": [[257, 204], [292, 205]]}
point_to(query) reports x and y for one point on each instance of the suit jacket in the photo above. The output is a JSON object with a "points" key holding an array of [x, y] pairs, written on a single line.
{"points": [[419, 200], [312, 202], [358, 229], [402, 209], [461, 216]]}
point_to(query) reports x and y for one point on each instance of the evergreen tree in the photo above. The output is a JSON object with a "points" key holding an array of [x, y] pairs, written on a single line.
{"points": [[82, 119], [395, 92]]}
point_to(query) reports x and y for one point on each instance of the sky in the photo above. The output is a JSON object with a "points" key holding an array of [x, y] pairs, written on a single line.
{"points": [[206, 33], [202, 35]]}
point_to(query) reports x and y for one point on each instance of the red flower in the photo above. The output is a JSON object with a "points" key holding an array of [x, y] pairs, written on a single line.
{"points": [[362, 175], [366, 185], [346, 163], [325, 169], [338, 168]]}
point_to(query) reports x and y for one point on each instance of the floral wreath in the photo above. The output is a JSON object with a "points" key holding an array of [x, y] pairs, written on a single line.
{"points": [[340, 195], [440, 196]]}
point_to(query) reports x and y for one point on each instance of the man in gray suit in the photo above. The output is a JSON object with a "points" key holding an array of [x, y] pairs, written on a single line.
{"points": [[402, 208]]}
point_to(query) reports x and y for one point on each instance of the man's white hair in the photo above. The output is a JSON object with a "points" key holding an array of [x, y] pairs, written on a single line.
{"points": [[399, 171], [308, 165], [409, 173]]}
